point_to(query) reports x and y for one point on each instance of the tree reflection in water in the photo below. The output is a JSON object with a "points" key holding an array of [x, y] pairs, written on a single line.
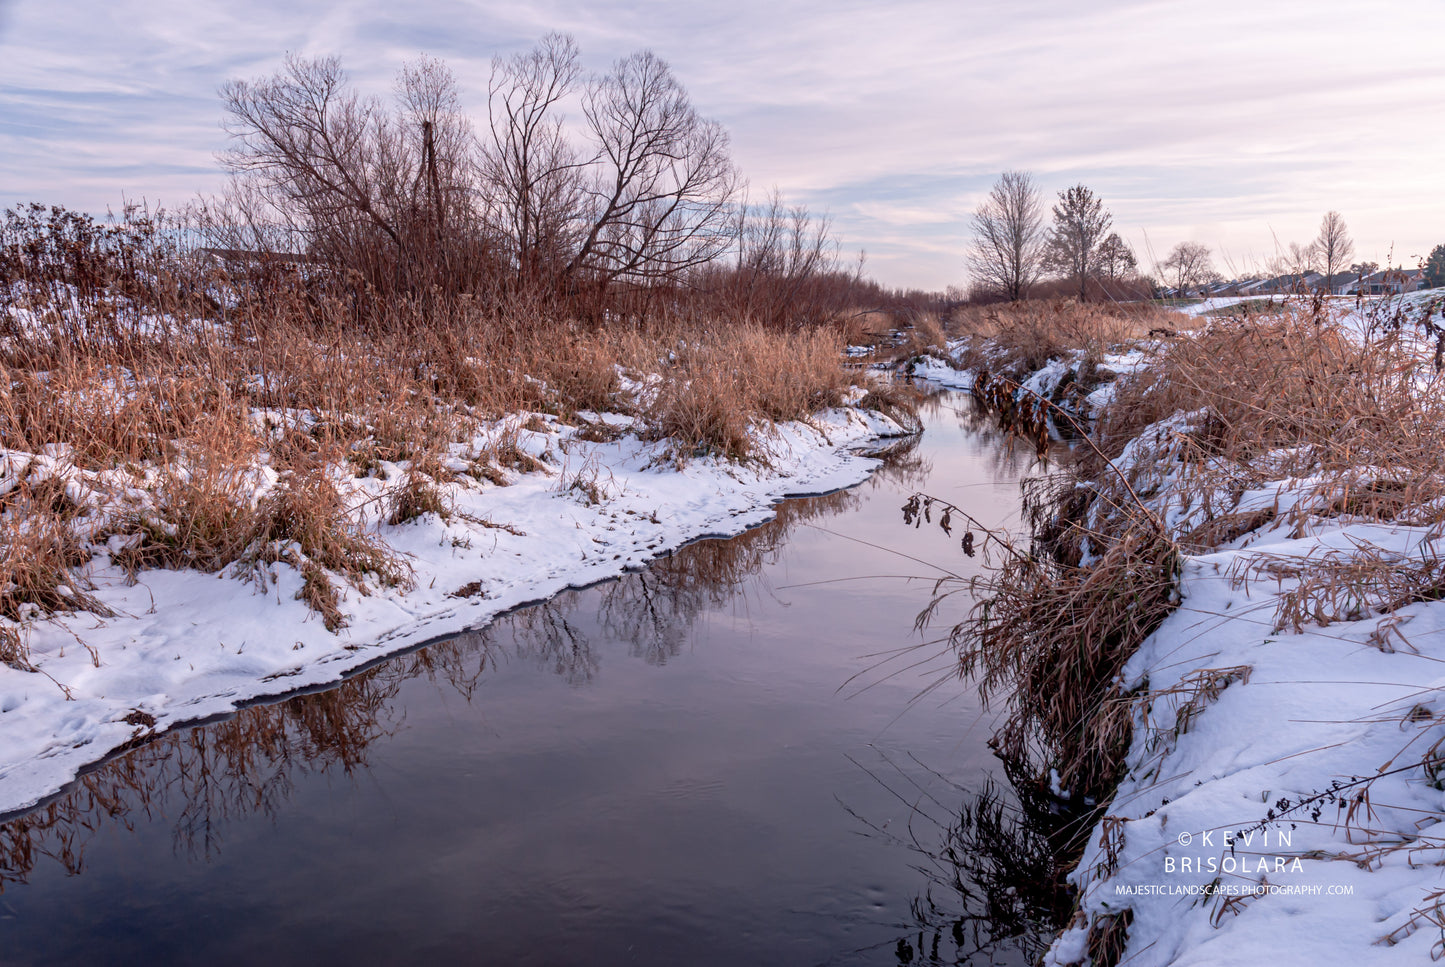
{"points": [[248, 764], [994, 869]]}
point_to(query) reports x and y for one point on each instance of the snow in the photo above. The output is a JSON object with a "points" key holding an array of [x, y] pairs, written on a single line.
{"points": [[1299, 713], [184, 646], [1284, 794], [937, 371]]}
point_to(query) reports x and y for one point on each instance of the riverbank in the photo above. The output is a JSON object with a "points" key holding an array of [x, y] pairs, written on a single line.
{"points": [[229, 474], [183, 645], [1279, 776]]}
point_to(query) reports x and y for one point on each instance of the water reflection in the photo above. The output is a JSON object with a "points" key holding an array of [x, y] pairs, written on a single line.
{"points": [[206, 777], [202, 779], [994, 888]]}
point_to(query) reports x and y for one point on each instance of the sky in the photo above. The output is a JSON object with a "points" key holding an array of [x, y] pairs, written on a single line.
{"points": [[1236, 124]]}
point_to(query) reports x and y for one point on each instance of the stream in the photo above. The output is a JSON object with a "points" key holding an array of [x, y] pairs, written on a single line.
{"points": [[743, 755]]}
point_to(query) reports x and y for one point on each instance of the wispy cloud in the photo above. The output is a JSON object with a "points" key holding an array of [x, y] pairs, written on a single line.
{"points": [[1234, 123]]}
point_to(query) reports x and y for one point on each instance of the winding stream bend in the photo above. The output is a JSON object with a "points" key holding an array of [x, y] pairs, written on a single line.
{"points": [[730, 758]]}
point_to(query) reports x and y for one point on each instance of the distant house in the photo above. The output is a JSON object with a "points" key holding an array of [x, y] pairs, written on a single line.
{"points": [[1336, 284], [1287, 284], [1234, 287], [1387, 282]]}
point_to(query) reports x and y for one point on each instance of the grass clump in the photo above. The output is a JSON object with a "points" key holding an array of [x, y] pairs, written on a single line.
{"points": [[1049, 634], [722, 386], [420, 493]]}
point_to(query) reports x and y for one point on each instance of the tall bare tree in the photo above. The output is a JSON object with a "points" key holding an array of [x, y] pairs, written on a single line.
{"points": [[1188, 264], [1006, 256], [532, 174], [1333, 246], [660, 193], [1072, 247], [382, 191]]}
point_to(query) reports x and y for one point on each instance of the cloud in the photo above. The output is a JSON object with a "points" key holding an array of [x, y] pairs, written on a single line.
{"points": [[1230, 122]]}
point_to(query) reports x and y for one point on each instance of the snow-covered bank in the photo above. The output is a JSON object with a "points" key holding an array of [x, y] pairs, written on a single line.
{"points": [[182, 645], [1092, 381], [1243, 774], [1281, 800]]}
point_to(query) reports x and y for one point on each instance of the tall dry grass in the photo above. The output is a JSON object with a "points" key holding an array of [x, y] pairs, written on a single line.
{"points": [[204, 412], [1340, 426], [1019, 338], [1289, 396]]}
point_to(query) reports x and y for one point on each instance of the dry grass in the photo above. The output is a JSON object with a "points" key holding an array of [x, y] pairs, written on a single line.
{"points": [[1288, 396], [1016, 339], [1342, 427], [173, 385], [723, 383], [899, 400], [1048, 639]]}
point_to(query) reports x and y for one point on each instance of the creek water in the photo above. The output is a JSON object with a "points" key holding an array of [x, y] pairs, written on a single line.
{"points": [[744, 754]]}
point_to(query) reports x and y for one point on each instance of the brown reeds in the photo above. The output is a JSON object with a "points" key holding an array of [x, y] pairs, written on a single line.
{"points": [[1015, 339], [1329, 425], [203, 409], [1048, 638]]}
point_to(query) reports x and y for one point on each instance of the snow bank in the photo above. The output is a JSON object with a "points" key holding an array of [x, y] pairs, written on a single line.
{"points": [[1241, 831], [1284, 794], [184, 646]]}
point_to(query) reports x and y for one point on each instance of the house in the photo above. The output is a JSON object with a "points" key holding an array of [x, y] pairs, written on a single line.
{"points": [[1235, 287], [1291, 284], [1336, 284], [1388, 282]]}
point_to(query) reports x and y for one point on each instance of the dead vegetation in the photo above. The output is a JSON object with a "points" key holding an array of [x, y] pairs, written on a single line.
{"points": [[1280, 421], [1289, 421], [164, 408], [1016, 339]]}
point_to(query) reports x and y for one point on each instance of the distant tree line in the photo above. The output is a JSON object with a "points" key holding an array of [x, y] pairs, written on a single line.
{"points": [[1014, 249], [1017, 253]]}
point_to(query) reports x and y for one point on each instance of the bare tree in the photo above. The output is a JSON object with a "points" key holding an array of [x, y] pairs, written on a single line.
{"points": [[380, 191], [642, 191], [532, 174], [660, 193], [1006, 255], [1333, 246], [1189, 264], [1116, 259], [1072, 248], [786, 259], [1294, 264]]}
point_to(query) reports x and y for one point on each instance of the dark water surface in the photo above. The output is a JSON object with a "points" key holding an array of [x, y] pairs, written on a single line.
{"points": [[677, 767]]}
